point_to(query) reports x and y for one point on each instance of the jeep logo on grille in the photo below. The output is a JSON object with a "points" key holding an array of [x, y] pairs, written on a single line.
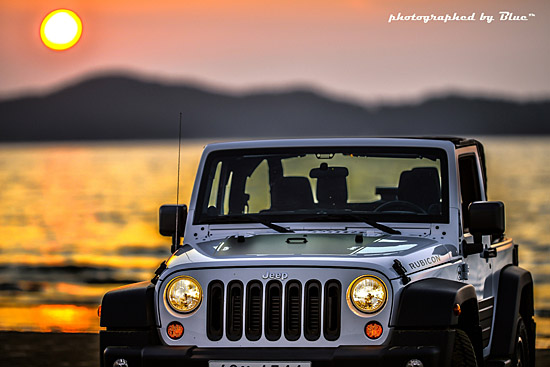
{"points": [[270, 275]]}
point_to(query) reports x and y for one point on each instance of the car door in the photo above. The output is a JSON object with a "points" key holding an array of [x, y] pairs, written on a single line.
{"points": [[481, 269], [472, 189]]}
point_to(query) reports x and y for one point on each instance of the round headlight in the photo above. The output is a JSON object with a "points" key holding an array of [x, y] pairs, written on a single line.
{"points": [[184, 294], [368, 294]]}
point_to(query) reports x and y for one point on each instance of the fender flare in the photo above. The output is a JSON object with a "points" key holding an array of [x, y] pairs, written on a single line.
{"points": [[429, 303], [129, 307], [515, 297]]}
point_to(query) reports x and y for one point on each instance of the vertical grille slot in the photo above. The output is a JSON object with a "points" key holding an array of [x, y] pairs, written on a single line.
{"points": [[214, 320], [273, 310], [331, 324], [293, 309], [253, 318], [312, 310], [234, 314]]}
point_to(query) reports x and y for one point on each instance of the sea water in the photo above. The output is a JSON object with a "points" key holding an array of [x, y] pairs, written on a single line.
{"points": [[78, 219]]}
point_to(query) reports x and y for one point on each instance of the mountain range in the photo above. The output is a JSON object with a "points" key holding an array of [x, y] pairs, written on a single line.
{"points": [[121, 107]]}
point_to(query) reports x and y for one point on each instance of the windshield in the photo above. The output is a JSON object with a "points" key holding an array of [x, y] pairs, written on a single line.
{"points": [[324, 184]]}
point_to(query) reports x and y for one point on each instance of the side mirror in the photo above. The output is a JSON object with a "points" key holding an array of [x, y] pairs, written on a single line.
{"points": [[486, 219], [168, 216]]}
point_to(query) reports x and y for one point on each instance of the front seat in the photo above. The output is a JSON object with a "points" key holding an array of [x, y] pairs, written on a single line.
{"points": [[421, 186], [291, 193]]}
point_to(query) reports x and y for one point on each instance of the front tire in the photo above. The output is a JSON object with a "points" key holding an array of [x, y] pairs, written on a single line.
{"points": [[522, 351], [463, 351]]}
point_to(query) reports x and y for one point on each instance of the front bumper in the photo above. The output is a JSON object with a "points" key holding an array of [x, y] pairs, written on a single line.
{"points": [[433, 348]]}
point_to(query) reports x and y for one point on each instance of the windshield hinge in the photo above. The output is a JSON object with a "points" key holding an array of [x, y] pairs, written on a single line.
{"points": [[489, 253], [400, 270]]}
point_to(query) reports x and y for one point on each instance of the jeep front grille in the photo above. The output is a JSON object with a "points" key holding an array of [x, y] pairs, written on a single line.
{"points": [[273, 310]]}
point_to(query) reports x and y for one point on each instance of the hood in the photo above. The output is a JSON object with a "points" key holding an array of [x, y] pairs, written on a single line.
{"points": [[316, 249]]}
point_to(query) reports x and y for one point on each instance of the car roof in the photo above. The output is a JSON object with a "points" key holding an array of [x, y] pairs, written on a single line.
{"points": [[459, 142], [312, 142]]}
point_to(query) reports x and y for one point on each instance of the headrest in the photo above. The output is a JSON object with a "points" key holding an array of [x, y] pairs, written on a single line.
{"points": [[332, 188]]}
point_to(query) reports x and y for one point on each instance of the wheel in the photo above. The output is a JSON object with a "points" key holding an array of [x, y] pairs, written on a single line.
{"points": [[400, 205], [522, 352], [463, 351]]}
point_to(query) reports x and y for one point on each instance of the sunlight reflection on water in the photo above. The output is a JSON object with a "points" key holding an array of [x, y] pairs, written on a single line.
{"points": [[79, 219]]}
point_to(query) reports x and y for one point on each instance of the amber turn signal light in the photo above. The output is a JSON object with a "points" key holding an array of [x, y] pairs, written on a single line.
{"points": [[373, 330], [174, 330], [457, 310]]}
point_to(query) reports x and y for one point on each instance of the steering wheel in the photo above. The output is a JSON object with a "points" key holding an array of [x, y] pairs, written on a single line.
{"points": [[400, 204]]}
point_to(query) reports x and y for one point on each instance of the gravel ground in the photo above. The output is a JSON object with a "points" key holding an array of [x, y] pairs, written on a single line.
{"points": [[49, 349], [59, 349]]}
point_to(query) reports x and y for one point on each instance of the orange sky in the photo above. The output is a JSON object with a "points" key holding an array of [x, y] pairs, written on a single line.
{"points": [[342, 46]]}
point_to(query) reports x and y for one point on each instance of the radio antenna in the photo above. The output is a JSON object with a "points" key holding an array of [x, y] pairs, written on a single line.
{"points": [[176, 239]]}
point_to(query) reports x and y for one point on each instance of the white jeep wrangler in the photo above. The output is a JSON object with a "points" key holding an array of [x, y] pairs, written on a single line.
{"points": [[331, 252]]}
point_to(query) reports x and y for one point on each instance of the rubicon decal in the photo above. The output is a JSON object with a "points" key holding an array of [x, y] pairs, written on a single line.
{"points": [[432, 260]]}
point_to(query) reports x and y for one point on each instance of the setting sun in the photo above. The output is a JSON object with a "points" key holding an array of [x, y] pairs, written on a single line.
{"points": [[61, 29]]}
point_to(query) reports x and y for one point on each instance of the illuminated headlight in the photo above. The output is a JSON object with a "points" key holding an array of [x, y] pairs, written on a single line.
{"points": [[368, 294], [184, 294]]}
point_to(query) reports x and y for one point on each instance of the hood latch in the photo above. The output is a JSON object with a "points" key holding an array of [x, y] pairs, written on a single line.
{"points": [[400, 270]]}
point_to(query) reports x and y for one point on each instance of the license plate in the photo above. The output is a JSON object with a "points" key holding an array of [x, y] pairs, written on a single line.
{"points": [[257, 364]]}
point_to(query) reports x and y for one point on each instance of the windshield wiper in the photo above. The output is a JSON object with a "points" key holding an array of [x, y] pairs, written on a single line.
{"points": [[274, 226], [374, 224], [355, 217], [253, 219]]}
